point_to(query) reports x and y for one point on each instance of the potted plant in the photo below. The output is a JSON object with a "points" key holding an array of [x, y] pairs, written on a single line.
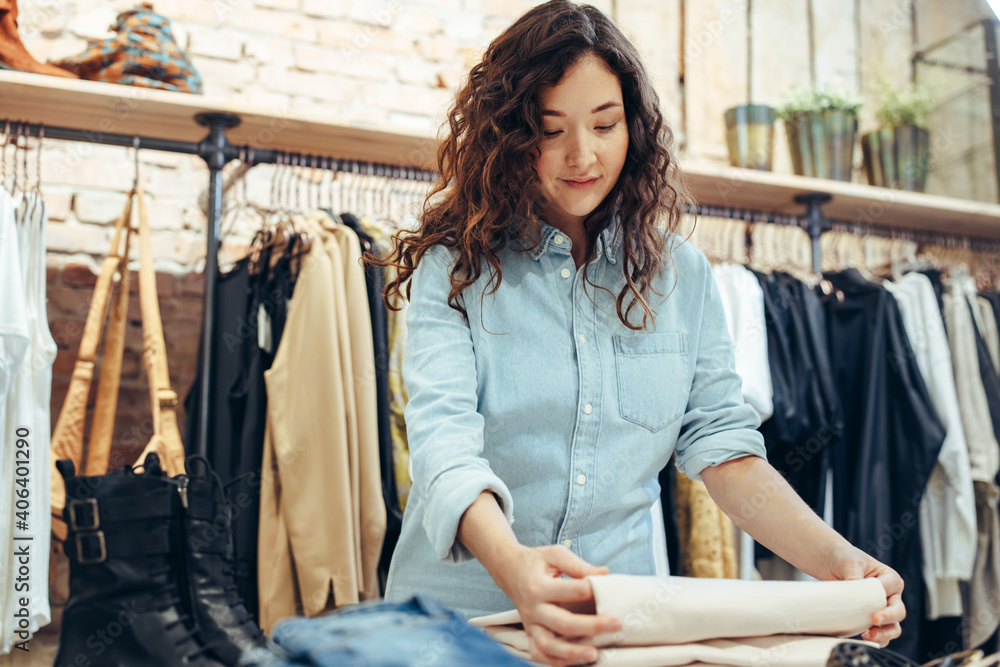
{"points": [[750, 136], [897, 155], [821, 125]]}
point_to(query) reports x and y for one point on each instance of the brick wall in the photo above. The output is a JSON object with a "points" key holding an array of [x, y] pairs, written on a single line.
{"points": [[397, 63]]}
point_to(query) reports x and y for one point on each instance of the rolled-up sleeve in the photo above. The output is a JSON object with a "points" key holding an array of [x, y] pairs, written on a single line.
{"points": [[444, 428], [718, 426]]}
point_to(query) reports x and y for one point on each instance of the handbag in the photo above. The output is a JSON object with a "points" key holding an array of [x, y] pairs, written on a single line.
{"points": [[143, 53], [67, 438]]}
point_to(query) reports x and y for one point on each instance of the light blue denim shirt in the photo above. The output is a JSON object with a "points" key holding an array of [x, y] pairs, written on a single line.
{"points": [[545, 398]]}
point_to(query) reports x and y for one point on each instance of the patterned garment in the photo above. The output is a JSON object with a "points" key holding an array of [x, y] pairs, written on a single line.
{"points": [[708, 540], [143, 53]]}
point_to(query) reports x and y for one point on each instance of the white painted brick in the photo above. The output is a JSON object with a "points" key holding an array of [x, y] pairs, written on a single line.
{"points": [[73, 238], [437, 47], [506, 8], [221, 76], [302, 83], [452, 78], [100, 208], [58, 202], [166, 215], [45, 18], [464, 27], [268, 51], [291, 5], [407, 99], [220, 44], [76, 169], [358, 37], [417, 21], [184, 248], [93, 24], [449, 5], [419, 72], [44, 50], [336, 9], [356, 64], [379, 13], [279, 24]]}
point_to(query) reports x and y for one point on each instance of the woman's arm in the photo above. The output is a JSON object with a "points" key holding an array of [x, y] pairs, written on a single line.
{"points": [[531, 579], [763, 504]]}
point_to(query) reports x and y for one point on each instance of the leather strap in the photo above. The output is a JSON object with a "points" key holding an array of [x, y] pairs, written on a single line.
{"points": [[96, 546], [166, 439], [67, 437], [103, 425], [94, 514], [202, 509]]}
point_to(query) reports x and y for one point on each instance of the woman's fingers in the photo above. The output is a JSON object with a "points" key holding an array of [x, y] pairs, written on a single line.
{"points": [[894, 612], [567, 590], [568, 624], [547, 647], [882, 634], [569, 563]]}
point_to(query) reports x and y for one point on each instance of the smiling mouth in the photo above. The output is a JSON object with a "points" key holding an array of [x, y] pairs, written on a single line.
{"points": [[579, 185]]}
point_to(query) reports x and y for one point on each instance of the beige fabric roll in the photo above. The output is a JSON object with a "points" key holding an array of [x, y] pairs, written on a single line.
{"points": [[685, 621]]}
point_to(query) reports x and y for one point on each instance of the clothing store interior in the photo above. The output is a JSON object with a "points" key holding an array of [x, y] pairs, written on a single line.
{"points": [[233, 431]]}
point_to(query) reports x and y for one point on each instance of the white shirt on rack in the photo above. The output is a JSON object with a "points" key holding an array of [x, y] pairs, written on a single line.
{"points": [[948, 507], [14, 346]]}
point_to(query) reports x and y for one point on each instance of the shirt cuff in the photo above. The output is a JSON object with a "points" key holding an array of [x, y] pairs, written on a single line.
{"points": [[719, 448], [448, 496]]}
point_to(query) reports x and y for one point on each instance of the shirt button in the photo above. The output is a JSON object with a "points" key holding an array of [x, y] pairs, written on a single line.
{"points": [[567, 543], [583, 339], [588, 408], [564, 273], [558, 239], [581, 479]]}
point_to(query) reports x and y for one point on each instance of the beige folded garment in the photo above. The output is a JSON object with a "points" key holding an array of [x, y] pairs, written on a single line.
{"points": [[685, 621]]}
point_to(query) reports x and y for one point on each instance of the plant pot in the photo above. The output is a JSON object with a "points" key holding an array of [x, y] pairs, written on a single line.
{"points": [[913, 154], [877, 149], [822, 143], [897, 157], [750, 135]]}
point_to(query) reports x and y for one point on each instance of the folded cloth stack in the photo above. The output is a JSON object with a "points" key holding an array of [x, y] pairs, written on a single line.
{"points": [[670, 621]]}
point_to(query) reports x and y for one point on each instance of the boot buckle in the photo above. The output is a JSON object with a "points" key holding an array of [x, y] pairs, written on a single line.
{"points": [[84, 515], [83, 557]]}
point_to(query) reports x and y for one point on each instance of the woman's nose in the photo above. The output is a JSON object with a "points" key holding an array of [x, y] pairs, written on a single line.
{"points": [[582, 150]]}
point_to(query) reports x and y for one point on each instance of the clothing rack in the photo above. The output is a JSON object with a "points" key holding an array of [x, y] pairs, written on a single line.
{"points": [[217, 151]]}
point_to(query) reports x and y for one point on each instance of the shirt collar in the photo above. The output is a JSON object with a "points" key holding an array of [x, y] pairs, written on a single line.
{"points": [[609, 241]]}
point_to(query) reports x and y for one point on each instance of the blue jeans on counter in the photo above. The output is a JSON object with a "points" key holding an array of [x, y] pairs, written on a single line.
{"points": [[419, 632]]}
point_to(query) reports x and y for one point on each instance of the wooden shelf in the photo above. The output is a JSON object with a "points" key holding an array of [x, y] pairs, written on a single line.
{"points": [[851, 202], [90, 105], [117, 109]]}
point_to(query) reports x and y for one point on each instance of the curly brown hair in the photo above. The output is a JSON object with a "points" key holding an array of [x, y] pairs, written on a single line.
{"points": [[488, 190]]}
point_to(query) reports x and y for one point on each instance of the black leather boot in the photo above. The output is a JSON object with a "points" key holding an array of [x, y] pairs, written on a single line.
{"points": [[125, 552], [212, 598]]}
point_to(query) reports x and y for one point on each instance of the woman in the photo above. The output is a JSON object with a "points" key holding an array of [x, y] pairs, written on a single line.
{"points": [[562, 346]]}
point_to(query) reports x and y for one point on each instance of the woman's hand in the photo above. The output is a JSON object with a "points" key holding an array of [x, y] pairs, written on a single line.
{"points": [[851, 563], [533, 583]]}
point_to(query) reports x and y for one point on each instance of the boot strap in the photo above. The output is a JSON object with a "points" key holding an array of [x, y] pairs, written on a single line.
{"points": [[96, 546], [88, 514]]}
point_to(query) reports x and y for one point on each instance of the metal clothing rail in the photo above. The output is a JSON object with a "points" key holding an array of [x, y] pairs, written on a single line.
{"points": [[217, 151]]}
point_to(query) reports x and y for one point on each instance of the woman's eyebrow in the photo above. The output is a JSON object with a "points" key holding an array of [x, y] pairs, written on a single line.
{"points": [[606, 105]]}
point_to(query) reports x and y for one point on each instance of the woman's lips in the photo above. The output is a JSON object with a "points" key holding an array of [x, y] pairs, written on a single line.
{"points": [[580, 185]]}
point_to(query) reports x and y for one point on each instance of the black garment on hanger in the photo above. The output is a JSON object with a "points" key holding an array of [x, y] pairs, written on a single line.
{"points": [[375, 282], [668, 501], [988, 374], [231, 290], [267, 304], [891, 439], [934, 275], [807, 418]]}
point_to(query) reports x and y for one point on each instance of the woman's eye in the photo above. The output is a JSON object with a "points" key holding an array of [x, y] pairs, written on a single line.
{"points": [[607, 128], [550, 133]]}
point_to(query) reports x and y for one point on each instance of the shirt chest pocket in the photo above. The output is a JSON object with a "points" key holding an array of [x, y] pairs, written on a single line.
{"points": [[653, 378]]}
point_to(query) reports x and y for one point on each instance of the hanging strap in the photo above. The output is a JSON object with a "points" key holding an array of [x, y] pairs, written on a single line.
{"points": [[166, 440], [67, 437]]}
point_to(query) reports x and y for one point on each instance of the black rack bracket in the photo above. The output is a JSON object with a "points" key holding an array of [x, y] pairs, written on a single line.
{"points": [[816, 223]]}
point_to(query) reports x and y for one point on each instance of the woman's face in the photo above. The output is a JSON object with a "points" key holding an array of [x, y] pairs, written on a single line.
{"points": [[586, 138]]}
